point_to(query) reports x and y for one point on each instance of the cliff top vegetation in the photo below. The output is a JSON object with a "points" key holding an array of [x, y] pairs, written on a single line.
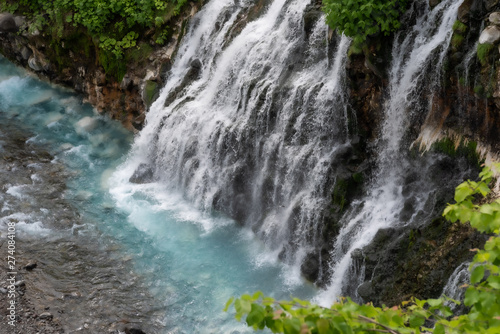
{"points": [[362, 18], [113, 26]]}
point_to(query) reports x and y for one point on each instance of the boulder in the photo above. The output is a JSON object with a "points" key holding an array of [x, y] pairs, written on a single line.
{"points": [[143, 174], [134, 331], [31, 265], [434, 3], [26, 53], [45, 316], [8, 23], [33, 64], [20, 21], [464, 11], [310, 267], [490, 35], [494, 18], [489, 4], [86, 124], [365, 290]]}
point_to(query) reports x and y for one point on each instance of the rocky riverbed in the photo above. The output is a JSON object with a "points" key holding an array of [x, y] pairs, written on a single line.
{"points": [[65, 281]]}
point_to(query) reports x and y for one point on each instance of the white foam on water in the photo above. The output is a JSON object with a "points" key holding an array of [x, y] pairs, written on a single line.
{"points": [[18, 191], [34, 229]]}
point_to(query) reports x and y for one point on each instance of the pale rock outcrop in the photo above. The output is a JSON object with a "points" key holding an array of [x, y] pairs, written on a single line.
{"points": [[494, 18], [490, 35]]}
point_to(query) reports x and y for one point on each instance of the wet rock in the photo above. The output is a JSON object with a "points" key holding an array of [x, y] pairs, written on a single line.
{"points": [[143, 174], [20, 21], [20, 284], [357, 254], [46, 316], [26, 53], [30, 266], [494, 18], [434, 3], [310, 267], [127, 82], [7, 23], [407, 211], [490, 35], [34, 65], [151, 90], [365, 290], [489, 4], [464, 11], [311, 16], [86, 124], [196, 64], [134, 331]]}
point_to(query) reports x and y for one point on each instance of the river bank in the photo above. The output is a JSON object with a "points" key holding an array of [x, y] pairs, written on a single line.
{"points": [[65, 281]]}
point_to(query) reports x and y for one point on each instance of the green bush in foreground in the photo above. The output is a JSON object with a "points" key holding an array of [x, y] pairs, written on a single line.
{"points": [[414, 316], [361, 18]]}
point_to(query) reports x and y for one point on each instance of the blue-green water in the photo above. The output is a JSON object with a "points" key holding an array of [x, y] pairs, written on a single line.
{"points": [[190, 262]]}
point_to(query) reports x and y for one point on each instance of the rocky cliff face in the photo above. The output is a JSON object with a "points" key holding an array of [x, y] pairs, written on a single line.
{"points": [[465, 109]]}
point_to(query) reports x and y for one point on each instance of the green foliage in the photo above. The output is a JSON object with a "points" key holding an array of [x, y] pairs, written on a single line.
{"points": [[411, 317], [117, 47], [459, 27], [116, 25], [116, 69], [162, 36], [362, 18], [483, 53], [457, 40], [466, 149]]}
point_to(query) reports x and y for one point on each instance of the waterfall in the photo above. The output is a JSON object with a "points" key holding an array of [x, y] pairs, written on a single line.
{"points": [[250, 122], [417, 59], [454, 287]]}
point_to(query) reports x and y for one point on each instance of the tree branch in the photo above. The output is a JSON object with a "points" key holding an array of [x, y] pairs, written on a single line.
{"points": [[389, 330]]}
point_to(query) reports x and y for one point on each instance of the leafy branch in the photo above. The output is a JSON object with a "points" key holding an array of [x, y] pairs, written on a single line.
{"points": [[361, 18]]}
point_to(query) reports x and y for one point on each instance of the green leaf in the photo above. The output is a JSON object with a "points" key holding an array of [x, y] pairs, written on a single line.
{"points": [[228, 303], [477, 274], [494, 281], [323, 326], [242, 306], [471, 296], [434, 302], [439, 329], [462, 192], [256, 315], [291, 326], [416, 321]]}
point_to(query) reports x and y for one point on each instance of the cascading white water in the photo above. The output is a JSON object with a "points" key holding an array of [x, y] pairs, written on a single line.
{"points": [[416, 52], [454, 287], [251, 126]]}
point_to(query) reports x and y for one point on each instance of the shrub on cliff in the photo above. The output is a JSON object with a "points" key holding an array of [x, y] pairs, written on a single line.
{"points": [[415, 316], [361, 18], [114, 26]]}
